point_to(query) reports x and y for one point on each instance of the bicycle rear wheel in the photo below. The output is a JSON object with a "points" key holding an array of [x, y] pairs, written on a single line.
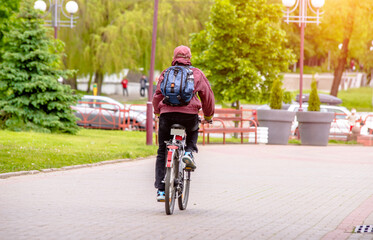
{"points": [[184, 194], [170, 191]]}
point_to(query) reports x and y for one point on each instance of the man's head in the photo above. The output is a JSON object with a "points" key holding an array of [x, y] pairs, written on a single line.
{"points": [[182, 52]]}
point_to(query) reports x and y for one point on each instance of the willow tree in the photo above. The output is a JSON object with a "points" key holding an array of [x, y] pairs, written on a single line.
{"points": [[242, 50], [31, 96], [112, 35], [92, 47]]}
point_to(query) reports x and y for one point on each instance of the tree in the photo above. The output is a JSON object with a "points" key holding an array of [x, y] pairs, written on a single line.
{"points": [[31, 98], [113, 34], [242, 50], [275, 100], [356, 26], [314, 100], [7, 9]]}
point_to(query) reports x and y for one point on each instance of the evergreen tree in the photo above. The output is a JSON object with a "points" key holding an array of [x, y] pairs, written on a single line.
{"points": [[275, 101], [314, 100], [31, 98], [7, 9]]}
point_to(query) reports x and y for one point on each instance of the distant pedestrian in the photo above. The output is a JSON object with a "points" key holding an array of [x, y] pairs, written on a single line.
{"points": [[352, 119], [143, 83], [125, 85]]}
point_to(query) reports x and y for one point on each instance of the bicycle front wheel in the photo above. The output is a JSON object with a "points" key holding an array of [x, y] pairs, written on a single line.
{"points": [[170, 190], [184, 193]]}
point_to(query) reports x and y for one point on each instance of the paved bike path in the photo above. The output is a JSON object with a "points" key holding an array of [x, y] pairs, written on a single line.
{"points": [[237, 192]]}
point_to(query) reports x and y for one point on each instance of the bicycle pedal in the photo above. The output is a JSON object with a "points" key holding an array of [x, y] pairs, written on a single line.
{"points": [[189, 169]]}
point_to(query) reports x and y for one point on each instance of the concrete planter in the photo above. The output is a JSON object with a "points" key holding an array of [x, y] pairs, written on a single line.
{"points": [[314, 127], [278, 123]]}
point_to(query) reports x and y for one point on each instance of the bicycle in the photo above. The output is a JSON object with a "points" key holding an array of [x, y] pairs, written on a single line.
{"points": [[177, 179]]}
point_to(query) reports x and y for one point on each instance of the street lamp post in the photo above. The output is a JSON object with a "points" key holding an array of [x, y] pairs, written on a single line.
{"points": [[56, 8], [149, 108], [302, 19]]}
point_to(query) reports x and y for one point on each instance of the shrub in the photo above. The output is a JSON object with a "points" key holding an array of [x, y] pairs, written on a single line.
{"points": [[276, 95], [314, 101], [288, 97]]}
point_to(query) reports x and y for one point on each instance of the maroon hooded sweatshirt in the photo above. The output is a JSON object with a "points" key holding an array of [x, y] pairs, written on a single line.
{"points": [[202, 87]]}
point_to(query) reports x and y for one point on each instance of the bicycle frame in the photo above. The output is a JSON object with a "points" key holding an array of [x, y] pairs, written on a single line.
{"points": [[177, 178], [177, 143]]}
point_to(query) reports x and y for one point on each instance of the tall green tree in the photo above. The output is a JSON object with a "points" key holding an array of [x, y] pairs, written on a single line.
{"points": [[31, 98], [113, 34], [7, 9], [242, 50]]}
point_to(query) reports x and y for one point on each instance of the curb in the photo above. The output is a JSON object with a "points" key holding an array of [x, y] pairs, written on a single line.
{"points": [[66, 168]]}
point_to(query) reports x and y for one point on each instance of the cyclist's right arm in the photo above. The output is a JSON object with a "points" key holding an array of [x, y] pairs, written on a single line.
{"points": [[158, 97]]}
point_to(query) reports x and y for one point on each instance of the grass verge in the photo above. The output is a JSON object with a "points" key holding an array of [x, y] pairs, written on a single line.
{"points": [[22, 151]]}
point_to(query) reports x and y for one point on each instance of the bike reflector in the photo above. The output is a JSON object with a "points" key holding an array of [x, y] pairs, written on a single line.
{"points": [[169, 159], [179, 138]]}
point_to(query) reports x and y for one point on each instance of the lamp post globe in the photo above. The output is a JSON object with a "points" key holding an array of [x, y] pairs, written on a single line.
{"points": [[71, 7], [317, 3], [288, 3], [40, 5]]}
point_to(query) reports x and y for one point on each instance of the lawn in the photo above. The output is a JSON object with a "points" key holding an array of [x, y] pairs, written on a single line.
{"points": [[20, 151], [359, 98]]}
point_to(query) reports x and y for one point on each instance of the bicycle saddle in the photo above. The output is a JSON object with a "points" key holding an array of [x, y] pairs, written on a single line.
{"points": [[178, 126]]}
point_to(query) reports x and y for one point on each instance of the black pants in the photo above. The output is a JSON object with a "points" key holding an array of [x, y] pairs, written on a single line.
{"points": [[142, 92], [190, 122]]}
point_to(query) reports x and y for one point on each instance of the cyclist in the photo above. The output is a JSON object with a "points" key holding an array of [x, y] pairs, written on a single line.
{"points": [[186, 115]]}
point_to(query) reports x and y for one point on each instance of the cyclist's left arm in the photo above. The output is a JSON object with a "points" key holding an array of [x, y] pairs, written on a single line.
{"points": [[205, 93]]}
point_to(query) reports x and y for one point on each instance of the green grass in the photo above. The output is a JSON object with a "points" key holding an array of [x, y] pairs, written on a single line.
{"points": [[21, 151], [359, 98]]}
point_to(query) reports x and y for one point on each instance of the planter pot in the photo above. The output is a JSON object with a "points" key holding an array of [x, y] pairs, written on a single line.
{"points": [[278, 123], [314, 127]]}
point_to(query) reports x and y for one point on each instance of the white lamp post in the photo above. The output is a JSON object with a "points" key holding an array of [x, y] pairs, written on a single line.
{"points": [[56, 8], [303, 5]]}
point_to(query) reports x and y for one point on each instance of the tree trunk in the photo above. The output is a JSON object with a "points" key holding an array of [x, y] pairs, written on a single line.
{"points": [[342, 60], [89, 82], [98, 80], [72, 82]]}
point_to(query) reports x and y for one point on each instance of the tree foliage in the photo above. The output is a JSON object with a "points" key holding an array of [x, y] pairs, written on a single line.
{"points": [[275, 101], [7, 9], [242, 50], [314, 100], [113, 34], [31, 98]]}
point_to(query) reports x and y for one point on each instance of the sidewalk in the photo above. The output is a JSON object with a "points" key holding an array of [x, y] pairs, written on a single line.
{"points": [[237, 192]]}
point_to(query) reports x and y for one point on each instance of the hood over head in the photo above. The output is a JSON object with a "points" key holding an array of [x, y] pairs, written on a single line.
{"points": [[182, 55]]}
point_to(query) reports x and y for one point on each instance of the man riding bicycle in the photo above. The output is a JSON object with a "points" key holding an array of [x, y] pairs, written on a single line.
{"points": [[186, 115]]}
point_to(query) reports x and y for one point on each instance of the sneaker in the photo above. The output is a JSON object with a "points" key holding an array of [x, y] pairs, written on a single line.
{"points": [[160, 196], [189, 160]]}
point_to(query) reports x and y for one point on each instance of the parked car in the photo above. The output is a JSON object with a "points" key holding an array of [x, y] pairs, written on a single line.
{"points": [[338, 127], [324, 98], [107, 113]]}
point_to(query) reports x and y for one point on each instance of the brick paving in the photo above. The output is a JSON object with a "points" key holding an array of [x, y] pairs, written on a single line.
{"points": [[237, 192]]}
